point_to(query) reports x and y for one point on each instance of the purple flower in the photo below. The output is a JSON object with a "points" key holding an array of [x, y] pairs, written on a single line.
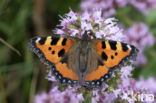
{"points": [[140, 36], [108, 98], [93, 22], [141, 59], [125, 77], [106, 6], [143, 5], [135, 88], [50, 77], [140, 33], [126, 71], [129, 86], [148, 84], [57, 96], [148, 40]]}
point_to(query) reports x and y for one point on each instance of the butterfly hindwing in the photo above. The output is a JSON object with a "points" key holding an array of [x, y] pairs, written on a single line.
{"points": [[98, 76], [52, 50]]}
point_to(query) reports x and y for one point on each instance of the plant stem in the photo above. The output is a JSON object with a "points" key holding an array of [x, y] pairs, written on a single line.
{"points": [[3, 89]]}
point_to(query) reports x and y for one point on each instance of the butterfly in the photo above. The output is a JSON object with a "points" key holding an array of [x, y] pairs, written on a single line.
{"points": [[82, 60]]}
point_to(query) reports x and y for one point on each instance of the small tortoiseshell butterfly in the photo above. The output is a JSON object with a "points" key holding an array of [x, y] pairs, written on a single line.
{"points": [[82, 60]]}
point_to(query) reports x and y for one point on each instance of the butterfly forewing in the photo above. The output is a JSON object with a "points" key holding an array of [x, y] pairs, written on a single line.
{"points": [[113, 53], [51, 51]]}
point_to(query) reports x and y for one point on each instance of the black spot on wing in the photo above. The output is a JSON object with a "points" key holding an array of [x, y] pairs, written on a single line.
{"points": [[124, 47], [61, 53], [116, 53], [65, 59], [113, 45], [64, 41], [54, 41], [112, 57], [100, 62], [104, 56], [53, 52], [49, 48], [42, 41], [103, 45]]}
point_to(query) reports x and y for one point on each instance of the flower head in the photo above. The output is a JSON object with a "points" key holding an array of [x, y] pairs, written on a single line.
{"points": [[143, 5], [98, 26], [140, 36], [106, 6], [57, 96]]}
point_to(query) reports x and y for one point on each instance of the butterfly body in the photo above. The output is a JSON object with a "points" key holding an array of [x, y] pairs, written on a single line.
{"points": [[83, 57], [82, 60]]}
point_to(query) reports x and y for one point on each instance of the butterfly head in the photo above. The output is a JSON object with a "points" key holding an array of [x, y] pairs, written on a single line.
{"points": [[85, 36]]}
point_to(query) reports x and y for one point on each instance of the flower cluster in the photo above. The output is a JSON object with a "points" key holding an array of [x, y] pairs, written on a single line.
{"points": [[75, 24], [136, 88], [143, 5], [108, 7], [57, 96], [140, 36]]}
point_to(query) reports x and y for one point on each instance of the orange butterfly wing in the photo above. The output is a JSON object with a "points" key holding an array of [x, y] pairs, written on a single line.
{"points": [[113, 54], [51, 50]]}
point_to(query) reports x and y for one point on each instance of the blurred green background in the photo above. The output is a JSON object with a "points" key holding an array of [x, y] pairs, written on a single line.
{"points": [[23, 75]]}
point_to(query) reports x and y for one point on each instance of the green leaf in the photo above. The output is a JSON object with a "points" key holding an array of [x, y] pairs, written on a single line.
{"points": [[151, 17]]}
